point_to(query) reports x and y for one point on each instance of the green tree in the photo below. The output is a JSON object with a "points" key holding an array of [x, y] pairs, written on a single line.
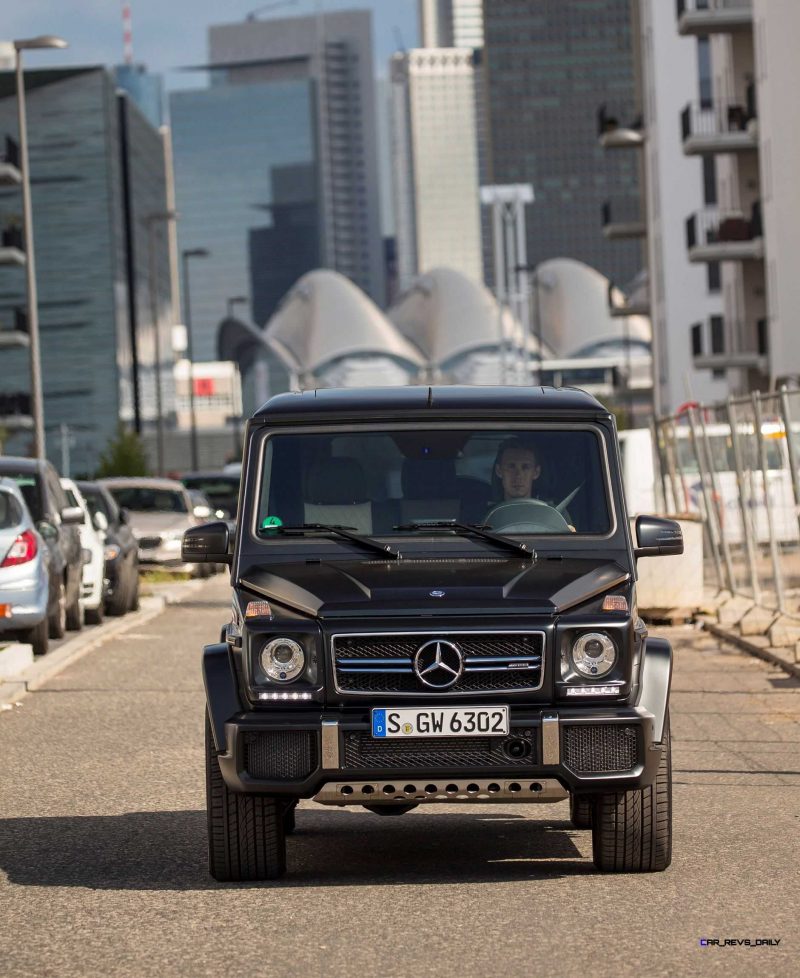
{"points": [[124, 455]]}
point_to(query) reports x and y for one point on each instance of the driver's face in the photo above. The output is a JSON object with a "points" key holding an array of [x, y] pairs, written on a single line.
{"points": [[518, 470]]}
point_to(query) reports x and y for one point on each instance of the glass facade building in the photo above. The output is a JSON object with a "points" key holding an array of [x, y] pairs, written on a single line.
{"points": [[246, 175], [549, 66], [97, 171]]}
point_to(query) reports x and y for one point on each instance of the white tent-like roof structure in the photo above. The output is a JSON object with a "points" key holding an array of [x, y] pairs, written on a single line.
{"points": [[447, 316], [325, 318], [572, 303]]}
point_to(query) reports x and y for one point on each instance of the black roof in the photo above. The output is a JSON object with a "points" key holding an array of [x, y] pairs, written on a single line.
{"points": [[379, 402]]}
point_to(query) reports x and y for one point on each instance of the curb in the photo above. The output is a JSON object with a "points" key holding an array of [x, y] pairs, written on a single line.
{"points": [[767, 654], [35, 676]]}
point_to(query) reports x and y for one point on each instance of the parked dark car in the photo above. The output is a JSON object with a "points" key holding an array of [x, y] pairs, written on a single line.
{"points": [[434, 600], [58, 524], [221, 489], [121, 550]]}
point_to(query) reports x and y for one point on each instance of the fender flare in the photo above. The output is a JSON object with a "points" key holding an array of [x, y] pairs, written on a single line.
{"points": [[222, 692], [655, 682]]}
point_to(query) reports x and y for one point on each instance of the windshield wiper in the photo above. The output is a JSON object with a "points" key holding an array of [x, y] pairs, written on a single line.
{"points": [[367, 543], [477, 529]]}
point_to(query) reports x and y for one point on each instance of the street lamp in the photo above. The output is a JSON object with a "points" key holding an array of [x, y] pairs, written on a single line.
{"points": [[37, 402], [150, 222], [186, 254], [235, 300]]}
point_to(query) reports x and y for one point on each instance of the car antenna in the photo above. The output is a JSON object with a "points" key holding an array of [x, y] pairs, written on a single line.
{"points": [[430, 396]]}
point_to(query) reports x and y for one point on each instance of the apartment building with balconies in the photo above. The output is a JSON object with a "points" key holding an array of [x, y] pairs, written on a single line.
{"points": [[675, 292], [748, 123]]}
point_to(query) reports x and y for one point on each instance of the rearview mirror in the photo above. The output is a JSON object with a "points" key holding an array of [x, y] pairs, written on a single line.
{"points": [[206, 544], [657, 537], [72, 515]]}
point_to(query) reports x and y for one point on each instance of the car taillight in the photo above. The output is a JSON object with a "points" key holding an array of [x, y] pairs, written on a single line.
{"points": [[23, 549]]}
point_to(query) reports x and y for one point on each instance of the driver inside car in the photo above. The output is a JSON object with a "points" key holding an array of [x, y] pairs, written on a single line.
{"points": [[518, 468]]}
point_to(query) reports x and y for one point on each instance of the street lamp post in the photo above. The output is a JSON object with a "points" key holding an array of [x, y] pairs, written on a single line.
{"points": [[150, 222], [186, 254], [235, 300], [37, 400]]}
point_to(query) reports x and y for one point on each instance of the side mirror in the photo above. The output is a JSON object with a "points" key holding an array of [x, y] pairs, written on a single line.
{"points": [[206, 544], [100, 521], [124, 516], [47, 530], [72, 515], [657, 537]]}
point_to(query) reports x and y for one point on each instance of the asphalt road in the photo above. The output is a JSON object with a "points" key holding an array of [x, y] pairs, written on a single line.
{"points": [[102, 844]]}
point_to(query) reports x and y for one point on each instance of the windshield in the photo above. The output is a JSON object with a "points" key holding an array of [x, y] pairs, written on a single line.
{"points": [[536, 481], [146, 500]]}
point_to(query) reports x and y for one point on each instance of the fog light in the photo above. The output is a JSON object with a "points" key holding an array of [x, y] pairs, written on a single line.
{"points": [[594, 654], [283, 660]]}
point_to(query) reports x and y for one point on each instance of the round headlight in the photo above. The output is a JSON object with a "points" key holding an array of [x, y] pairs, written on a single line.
{"points": [[594, 654], [283, 659]]}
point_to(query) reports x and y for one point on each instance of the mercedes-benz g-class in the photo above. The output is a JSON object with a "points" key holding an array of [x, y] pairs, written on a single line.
{"points": [[434, 601]]}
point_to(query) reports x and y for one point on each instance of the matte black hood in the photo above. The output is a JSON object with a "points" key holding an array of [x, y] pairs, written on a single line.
{"points": [[435, 586]]}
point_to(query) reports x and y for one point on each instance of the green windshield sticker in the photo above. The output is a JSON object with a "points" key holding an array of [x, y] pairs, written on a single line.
{"points": [[271, 522]]}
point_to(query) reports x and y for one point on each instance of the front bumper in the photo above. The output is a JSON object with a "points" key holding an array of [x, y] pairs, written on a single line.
{"points": [[300, 752]]}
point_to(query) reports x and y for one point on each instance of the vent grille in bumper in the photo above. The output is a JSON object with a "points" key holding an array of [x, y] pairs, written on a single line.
{"points": [[493, 662], [599, 748], [282, 755], [363, 751]]}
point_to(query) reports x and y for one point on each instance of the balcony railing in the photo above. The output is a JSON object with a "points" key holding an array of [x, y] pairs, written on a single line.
{"points": [[616, 135], [720, 126], [622, 218], [714, 16], [722, 344], [716, 236]]}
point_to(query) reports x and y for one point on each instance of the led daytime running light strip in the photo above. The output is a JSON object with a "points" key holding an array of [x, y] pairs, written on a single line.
{"points": [[285, 696]]}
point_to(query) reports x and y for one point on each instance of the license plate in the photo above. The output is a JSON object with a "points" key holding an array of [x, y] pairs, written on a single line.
{"points": [[449, 721]]}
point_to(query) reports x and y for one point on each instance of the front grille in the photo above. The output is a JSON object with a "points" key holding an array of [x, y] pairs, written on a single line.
{"points": [[149, 543], [363, 751], [283, 755], [384, 663], [596, 748]]}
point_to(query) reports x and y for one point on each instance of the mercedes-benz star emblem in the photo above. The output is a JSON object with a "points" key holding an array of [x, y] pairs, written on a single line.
{"points": [[438, 664]]}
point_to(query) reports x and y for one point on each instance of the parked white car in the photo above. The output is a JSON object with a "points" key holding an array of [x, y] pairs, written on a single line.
{"points": [[93, 554]]}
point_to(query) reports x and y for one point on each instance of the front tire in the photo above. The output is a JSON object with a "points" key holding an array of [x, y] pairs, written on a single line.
{"points": [[75, 611], [632, 830], [246, 838]]}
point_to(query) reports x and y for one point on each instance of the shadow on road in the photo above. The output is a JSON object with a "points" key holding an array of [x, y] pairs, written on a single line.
{"points": [[166, 850]]}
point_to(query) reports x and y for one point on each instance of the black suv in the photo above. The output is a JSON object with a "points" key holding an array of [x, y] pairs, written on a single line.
{"points": [[434, 601], [59, 525]]}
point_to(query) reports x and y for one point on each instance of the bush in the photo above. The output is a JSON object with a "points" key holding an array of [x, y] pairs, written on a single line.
{"points": [[124, 455]]}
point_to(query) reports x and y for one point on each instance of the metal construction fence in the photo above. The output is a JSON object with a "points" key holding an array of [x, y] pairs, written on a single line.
{"points": [[737, 465]]}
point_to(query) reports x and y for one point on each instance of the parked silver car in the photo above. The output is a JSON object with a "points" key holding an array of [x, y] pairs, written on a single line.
{"points": [[25, 591], [159, 511]]}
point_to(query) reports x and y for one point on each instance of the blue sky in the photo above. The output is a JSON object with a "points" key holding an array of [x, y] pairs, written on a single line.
{"points": [[170, 33]]}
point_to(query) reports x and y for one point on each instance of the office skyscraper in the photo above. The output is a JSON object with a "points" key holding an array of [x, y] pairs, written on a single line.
{"points": [[332, 52], [549, 66]]}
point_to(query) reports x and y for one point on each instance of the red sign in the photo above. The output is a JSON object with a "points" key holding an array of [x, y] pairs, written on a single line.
{"points": [[203, 386]]}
